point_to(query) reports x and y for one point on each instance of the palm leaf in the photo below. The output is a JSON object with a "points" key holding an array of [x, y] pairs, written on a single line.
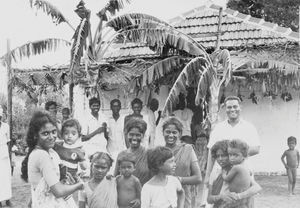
{"points": [[36, 47], [185, 78], [81, 11], [112, 7], [160, 40], [207, 75], [126, 20], [79, 41], [51, 10], [160, 69]]}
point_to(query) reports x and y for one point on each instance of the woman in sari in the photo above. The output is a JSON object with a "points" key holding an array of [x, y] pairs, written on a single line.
{"points": [[187, 168], [218, 193], [135, 130], [100, 191], [41, 166]]}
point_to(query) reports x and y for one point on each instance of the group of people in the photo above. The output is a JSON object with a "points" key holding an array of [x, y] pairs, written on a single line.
{"points": [[113, 162]]}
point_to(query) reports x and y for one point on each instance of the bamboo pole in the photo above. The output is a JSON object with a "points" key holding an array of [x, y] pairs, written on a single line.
{"points": [[219, 29], [9, 92]]}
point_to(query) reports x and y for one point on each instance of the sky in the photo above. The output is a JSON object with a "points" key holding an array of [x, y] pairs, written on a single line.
{"points": [[21, 24]]}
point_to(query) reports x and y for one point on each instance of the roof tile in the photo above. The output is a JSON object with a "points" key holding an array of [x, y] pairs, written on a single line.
{"points": [[294, 35], [243, 16], [230, 11], [255, 20], [283, 29], [269, 24]]}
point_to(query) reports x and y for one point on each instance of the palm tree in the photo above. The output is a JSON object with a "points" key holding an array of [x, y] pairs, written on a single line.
{"points": [[175, 47]]}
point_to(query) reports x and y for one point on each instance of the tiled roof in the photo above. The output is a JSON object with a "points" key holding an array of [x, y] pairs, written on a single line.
{"points": [[238, 30]]}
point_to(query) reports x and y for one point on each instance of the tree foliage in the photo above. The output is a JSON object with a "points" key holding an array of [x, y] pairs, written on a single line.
{"points": [[283, 12]]}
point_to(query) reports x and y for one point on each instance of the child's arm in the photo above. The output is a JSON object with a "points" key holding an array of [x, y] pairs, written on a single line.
{"points": [[231, 174], [254, 189], [180, 198], [282, 159], [138, 187], [83, 165]]}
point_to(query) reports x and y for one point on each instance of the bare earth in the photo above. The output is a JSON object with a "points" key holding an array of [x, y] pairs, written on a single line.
{"points": [[273, 195]]}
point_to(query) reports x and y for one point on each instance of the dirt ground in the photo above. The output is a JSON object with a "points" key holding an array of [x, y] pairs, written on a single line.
{"points": [[273, 195]]}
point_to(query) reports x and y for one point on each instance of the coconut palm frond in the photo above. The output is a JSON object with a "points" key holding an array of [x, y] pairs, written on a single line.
{"points": [[79, 41], [160, 69], [184, 79], [51, 10], [223, 57], [36, 47], [208, 73]]}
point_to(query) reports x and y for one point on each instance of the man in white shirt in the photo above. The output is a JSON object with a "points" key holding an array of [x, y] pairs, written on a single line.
{"points": [[151, 124], [116, 141], [233, 128], [94, 129]]}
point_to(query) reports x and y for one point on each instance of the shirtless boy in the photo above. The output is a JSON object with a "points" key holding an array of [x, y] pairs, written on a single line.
{"points": [[128, 186], [239, 176], [292, 163]]}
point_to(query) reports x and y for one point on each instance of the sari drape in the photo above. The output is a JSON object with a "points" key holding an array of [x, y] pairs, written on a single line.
{"points": [[105, 195], [183, 159]]}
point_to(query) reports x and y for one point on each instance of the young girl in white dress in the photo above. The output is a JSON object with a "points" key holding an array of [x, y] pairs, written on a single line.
{"points": [[163, 190]]}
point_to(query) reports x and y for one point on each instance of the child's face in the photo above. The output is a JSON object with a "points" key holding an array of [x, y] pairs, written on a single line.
{"points": [[65, 115], [169, 166], [126, 168], [222, 158], [201, 142], [235, 156], [292, 145], [70, 135], [99, 169]]}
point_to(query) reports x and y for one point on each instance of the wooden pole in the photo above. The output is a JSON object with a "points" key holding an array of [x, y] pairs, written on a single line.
{"points": [[219, 29], [9, 92]]}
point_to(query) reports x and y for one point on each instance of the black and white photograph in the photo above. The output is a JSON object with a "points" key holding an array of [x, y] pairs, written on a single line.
{"points": [[150, 104]]}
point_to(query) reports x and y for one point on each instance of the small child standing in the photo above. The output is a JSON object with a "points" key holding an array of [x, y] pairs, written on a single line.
{"points": [[100, 191], [163, 190], [128, 186], [70, 152], [239, 176], [292, 163]]}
